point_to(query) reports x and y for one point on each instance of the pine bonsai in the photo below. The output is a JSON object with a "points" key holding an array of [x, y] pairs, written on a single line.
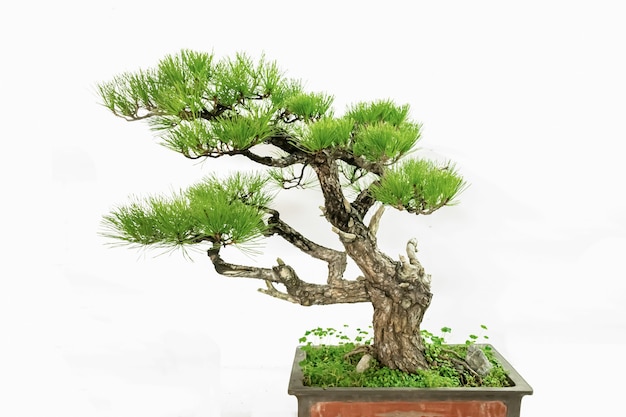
{"points": [[204, 107]]}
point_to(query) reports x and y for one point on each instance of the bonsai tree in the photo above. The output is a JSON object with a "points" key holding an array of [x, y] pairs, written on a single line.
{"points": [[203, 107]]}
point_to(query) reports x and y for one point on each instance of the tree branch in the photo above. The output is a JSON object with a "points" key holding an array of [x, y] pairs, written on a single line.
{"points": [[337, 261], [297, 290], [359, 162], [363, 202], [375, 221], [273, 162], [282, 142], [338, 209]]}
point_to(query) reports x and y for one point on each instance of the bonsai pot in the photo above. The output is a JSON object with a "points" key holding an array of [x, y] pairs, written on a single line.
{"points": [[408, 402]]}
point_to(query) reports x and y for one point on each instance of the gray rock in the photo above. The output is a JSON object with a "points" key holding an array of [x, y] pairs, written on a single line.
{"points": [[364, 363], [477, 360]]}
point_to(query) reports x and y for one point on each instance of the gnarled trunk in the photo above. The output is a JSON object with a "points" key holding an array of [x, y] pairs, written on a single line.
{"points": [[396, 323], [400, 294], [398, 290]]}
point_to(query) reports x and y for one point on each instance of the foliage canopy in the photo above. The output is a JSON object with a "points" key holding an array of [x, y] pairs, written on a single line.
{"points": [[204, 107]]}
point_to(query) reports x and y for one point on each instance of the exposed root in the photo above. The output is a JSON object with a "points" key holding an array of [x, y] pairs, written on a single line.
{"points": [[461, 362], [369, 349]]}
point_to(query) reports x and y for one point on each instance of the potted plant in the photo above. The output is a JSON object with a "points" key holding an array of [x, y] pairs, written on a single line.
{"points": [[203, 107]]}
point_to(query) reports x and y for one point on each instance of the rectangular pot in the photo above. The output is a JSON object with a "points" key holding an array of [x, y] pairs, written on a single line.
{"points": [[408, 402]]}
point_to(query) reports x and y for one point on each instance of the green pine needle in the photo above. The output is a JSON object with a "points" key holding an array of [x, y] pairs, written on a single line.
{"points": [[418, 186], [217, 211]]}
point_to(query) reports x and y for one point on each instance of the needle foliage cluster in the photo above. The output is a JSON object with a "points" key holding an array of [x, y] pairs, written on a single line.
{"points": [[221, 212], [205, 107]]}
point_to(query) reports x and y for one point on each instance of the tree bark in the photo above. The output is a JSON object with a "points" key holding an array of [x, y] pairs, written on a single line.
{"points": [[396, 324], [400, 294]]}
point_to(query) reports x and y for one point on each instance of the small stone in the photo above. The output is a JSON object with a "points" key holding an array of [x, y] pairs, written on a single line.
{"points": [[364, 363], [477, 360]]}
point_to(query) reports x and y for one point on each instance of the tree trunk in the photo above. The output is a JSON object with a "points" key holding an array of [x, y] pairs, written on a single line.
{"points": [[400, 294], [399, 290], [396, 322]]}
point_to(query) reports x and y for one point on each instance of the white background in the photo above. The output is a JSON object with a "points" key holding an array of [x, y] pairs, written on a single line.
{"points": [[528, 98]]}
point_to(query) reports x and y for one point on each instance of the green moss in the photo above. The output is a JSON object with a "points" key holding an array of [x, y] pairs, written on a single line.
{"points": [[328, 366], [334, 365]]}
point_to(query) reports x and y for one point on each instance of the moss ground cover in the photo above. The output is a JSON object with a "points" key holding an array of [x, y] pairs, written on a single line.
{"points": [[334, 365]]}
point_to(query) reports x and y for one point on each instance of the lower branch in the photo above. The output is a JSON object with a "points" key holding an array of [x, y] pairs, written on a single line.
{"points": [[297, 291], [272, 291], [337, 261]]}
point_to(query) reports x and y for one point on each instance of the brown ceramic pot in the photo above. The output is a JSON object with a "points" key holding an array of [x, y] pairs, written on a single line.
{"points": [[408, 402]]}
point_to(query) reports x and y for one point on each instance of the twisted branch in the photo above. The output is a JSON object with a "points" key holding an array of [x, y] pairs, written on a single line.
{"points": [[297, 290], [337, 261]]}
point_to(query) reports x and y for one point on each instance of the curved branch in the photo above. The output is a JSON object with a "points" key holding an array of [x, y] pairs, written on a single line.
{"points": [[217, 110], [227, 151], [240, 271], [273, 292], [337, 261], [375, 221], [273, 162], [135, 117], [338, 209], [285, 142], [297, 290], [282, 142], [359, 162], [294, 180]]}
